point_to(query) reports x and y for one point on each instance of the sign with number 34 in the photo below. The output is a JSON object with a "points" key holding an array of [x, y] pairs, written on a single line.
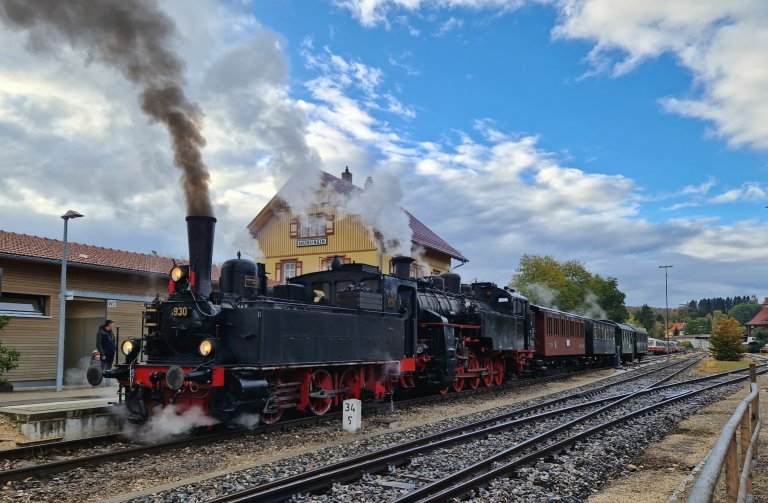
{"points": [[351, 410]]}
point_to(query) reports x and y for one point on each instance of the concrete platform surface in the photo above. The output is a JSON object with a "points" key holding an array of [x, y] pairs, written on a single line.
{"points": [[69, 414]]}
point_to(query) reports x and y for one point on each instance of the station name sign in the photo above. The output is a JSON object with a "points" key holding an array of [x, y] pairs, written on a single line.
{"points": [[312, 242]]}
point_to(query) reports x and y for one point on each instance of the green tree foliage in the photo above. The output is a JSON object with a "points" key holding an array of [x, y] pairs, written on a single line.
{"points": [[745, 311], [703, 307], [646, 317], [569, 286], [761, 335], [698, 326], [9, 358], [725, 342]]}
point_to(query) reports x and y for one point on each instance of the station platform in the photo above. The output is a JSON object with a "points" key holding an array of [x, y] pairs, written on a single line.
{"points": [[75, 412]]}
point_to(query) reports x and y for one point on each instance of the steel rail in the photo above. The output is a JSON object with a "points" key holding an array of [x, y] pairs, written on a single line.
{"points": [[38, 450], [118, 455], [481, 473], [353, 468]]}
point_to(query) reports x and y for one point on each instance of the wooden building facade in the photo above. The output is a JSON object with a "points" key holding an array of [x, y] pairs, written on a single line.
{"points": [[101, 283], [299, 244]]}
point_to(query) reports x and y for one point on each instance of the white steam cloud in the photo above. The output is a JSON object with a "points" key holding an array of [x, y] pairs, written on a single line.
{"points": [[167, 423], [378, 208]]}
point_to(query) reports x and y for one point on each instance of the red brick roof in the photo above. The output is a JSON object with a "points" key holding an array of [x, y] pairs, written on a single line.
{"points": [[761, 318], [34, 247], [422, 235]]}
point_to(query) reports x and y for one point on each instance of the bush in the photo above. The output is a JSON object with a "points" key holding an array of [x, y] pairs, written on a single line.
{"points": [[9, 357], [726, 339]]}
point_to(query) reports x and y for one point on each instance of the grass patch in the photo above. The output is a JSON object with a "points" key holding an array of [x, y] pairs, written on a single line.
{"points": [[711, 366]]}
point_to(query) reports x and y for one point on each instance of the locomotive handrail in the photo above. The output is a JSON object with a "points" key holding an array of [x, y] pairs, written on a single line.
{"points": [[738, 483], [454, 325]]}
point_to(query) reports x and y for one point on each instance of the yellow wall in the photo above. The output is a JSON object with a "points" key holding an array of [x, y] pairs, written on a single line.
{"points": [[350, 239]]}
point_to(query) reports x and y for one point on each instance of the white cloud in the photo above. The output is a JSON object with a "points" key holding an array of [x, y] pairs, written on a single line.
{"points": [[722, 44], [448, 26]]}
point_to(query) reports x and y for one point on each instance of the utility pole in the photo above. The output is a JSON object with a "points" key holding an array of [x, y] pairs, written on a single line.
{"points": [[666, 299]]}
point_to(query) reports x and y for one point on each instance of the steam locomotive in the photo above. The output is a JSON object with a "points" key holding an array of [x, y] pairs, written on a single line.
{"points": [[349, 332]]}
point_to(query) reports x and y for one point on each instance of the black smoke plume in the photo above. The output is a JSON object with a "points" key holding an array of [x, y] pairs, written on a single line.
{"points": [[134, 37]]}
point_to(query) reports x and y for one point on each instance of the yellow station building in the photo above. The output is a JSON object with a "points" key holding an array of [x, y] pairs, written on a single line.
{"points": [[294, 244]]}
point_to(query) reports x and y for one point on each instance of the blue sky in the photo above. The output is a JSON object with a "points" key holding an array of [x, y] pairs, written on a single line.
{"points": [[622, 134]]}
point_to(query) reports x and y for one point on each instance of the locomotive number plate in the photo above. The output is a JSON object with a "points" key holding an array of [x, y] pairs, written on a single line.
{"points": [[180, 312]]}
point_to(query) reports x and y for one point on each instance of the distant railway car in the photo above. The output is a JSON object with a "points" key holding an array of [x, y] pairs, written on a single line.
{"points": [[559, 336], [656, 346], [625, 337], [641, 342], [600, 341]]}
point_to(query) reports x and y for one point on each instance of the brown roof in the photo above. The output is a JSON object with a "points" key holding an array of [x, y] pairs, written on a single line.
{"points": [[422, 235], [760, 318], [44, 249]]}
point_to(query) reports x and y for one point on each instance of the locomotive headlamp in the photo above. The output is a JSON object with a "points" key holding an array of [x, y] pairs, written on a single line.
{"points": [[177, 273], [206, 347], [126, 347]]}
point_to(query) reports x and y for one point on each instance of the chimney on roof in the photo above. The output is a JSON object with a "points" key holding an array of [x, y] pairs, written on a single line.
{"points": [[346, 175], [368, 183]]}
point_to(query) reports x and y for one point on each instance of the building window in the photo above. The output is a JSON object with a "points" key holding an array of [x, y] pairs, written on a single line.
{"points": [[287, 269], [16, 304], [325, 262], [415, 271], [312, 226]]}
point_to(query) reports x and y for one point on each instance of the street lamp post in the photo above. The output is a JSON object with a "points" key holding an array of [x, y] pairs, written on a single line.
{"points": [[63, 302], [666, 299]]}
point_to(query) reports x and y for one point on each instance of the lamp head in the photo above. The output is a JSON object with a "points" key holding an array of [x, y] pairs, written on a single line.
{"points": [[71, 214]]}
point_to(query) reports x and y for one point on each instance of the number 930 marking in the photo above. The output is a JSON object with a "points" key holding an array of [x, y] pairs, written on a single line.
{"points": [[180, 312]]}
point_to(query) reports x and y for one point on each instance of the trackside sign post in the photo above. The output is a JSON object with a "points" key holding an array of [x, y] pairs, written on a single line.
{"points": [[351, 415]]}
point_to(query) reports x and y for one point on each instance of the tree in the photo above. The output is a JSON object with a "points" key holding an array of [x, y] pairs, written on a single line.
{"points": [[744, 312], [725, 342], [569, 286], [646, 317], [698, 326], [761, 335], [9, 358]]}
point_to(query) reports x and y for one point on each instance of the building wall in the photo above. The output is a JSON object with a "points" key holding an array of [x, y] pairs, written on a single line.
{"points": [[349, 239], [36, 338]]}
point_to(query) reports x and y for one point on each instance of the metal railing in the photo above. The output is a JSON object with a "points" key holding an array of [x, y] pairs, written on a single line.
{"points": [[738, 469]]}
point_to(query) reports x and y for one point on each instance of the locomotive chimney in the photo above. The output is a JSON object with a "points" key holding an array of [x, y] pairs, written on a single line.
{"points": [[402, 266], [346, 175], [261, 272], [200, 236]]}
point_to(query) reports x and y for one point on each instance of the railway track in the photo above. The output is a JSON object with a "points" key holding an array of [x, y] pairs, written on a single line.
{"points": [[353, 468], [112, 449], [498, 465]]}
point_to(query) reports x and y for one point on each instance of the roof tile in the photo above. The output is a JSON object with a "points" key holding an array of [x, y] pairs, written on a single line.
{"points": [[24, 245]]}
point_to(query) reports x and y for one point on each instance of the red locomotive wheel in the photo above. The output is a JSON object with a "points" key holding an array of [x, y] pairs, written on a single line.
{"points": [[487, 366], [474, 368], [444, 391], [350, 381], [498, 371], [458, 384], [320, 385]]}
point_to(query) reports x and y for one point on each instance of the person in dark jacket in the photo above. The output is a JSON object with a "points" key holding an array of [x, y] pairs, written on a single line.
{"points": [[106, 344]]}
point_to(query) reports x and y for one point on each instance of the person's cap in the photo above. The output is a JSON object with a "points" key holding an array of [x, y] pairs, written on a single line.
{"points": [[95, 352]]}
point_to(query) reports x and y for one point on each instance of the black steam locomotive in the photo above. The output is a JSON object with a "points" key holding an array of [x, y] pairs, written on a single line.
{"points": [[349, 332]]}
